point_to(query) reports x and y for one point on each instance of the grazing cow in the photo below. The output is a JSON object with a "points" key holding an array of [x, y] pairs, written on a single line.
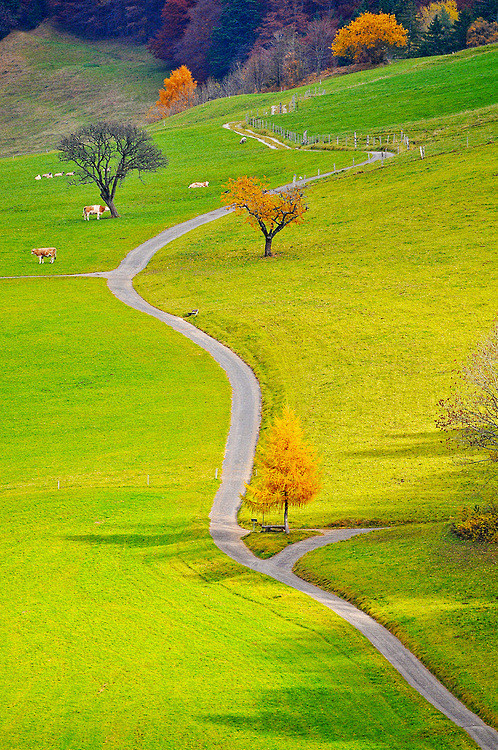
{"points": [[44, 252], [243, 139], [199, 184], [98, 210], [38, 177]]}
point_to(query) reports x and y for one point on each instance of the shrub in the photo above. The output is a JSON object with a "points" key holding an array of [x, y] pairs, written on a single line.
{"points": [[477, 525]]}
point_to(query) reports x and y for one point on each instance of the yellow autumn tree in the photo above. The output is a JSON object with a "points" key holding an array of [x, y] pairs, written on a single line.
{"points": [[178, 92], [429, 12], [270, 212], [288, 473], [369, 38]]}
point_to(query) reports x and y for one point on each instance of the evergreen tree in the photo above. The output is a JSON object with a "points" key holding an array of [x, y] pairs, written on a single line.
{"points": [[235, 35]]}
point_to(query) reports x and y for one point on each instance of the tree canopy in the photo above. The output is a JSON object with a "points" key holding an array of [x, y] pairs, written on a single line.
{"points": [[288, 473], [106, 152], [178, 92], [369, 37], [265, 210], [471, 413]]}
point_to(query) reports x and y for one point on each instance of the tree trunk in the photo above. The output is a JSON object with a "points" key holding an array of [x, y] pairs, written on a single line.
{"points": [[114, 213], [268, 252], [110, 204], [286, 512]]}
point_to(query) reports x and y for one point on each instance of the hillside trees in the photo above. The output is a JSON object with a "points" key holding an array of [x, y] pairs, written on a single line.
{"points": [[369, 37], [178, 93], [288, 472], [108, 18], [195, 43], [106, 152], [174, 21], [270, 212], [482, 32]]}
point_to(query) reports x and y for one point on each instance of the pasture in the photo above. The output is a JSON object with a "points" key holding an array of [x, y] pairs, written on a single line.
{"points": [[122, 625]]}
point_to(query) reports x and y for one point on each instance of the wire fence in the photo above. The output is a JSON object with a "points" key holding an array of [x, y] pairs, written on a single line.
{"points": [[393, 141]]}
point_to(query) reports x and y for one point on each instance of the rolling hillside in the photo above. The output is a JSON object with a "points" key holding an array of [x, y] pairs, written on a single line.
{"points": [[51, 83], [122, 625]]}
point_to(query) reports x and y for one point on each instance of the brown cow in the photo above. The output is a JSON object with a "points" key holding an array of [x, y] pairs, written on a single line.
{"points": [[88, 210], [44, 252]]}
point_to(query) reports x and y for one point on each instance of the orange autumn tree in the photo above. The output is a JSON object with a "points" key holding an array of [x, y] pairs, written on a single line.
{"points": [[265, 210], [369, 37], [178, 92], [288, 473]]}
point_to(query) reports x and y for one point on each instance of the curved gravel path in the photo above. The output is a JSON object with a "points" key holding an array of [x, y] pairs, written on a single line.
{"points": [[237, 468]]}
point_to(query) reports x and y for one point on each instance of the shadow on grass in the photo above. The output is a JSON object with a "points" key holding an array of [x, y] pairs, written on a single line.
{"points": [[138, 540], [415, 444], [342, 719]]}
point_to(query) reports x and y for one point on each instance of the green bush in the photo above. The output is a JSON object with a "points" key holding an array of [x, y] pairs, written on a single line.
{"points": [[477, 525]]}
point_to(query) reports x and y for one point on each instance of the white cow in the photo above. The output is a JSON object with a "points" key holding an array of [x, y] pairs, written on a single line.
{"points": [[198, 184], [98, 210]]}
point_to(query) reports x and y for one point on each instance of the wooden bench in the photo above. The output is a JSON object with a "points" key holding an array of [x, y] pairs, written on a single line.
{"points": [[272, 528]]}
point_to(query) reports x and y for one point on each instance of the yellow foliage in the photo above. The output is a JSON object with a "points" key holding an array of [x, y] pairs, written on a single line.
{"points": [[270, 212], [369, 37], [429, 12], [178, 92], [288, 468]]}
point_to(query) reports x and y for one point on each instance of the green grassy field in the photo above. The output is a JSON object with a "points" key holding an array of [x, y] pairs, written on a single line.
{"points": [[122, 625], [441, 600]]}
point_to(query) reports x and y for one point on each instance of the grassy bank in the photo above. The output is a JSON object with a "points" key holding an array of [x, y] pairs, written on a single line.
{"points": [[53, 82], [437, 593]]}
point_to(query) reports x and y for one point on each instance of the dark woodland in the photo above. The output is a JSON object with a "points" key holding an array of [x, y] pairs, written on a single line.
{"points": [[270, 43]]}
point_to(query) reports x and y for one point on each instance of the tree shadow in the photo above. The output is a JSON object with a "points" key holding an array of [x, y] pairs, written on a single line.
{"points": [[141, 540], [342, 718], [416, 444]]}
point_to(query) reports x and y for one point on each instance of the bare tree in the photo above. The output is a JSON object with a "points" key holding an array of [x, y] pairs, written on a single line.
{"points": [[473, 410], [106, 152]]}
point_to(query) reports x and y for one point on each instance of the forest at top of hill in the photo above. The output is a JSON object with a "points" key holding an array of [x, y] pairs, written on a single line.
{"points": [[277, 42]]}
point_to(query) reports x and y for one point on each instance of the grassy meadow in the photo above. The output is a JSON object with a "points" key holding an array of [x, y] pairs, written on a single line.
{"points": [[122, 625], [53, 82]]}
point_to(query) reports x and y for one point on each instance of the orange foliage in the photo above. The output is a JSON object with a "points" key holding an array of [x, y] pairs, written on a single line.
{"points": [[288, 469], [482, 32], [369, 37], [270, 212], [178, 92]]}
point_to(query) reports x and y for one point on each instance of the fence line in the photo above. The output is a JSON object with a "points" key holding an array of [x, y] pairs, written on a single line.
{"points": [[390, 141]]}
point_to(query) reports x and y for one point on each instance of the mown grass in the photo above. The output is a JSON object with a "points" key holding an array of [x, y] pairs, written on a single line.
{"points": [[438, 593], [122, 625]]}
